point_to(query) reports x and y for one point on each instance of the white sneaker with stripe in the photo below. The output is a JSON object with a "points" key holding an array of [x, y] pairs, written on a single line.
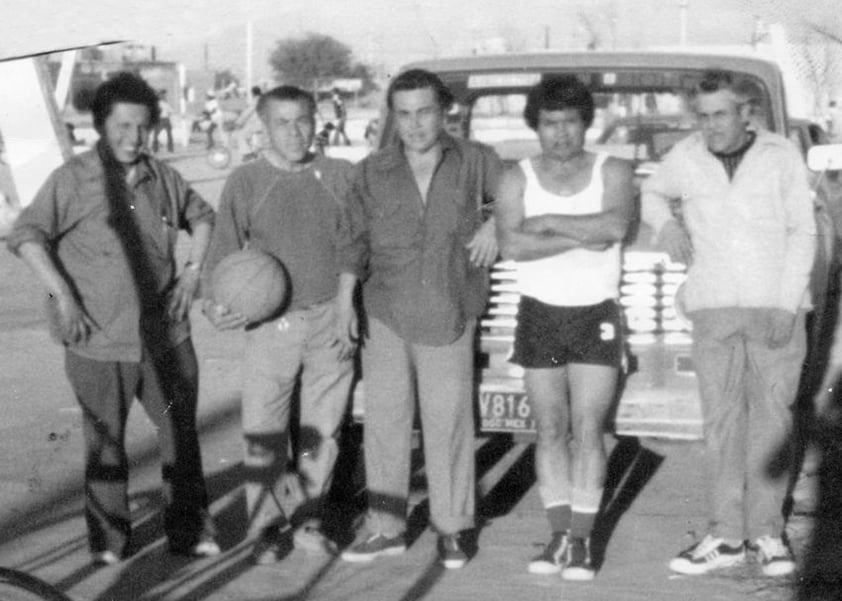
{"points": [[710, 553]]}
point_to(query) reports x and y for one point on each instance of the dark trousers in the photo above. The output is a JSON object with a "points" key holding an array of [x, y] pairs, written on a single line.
{"points": [[168, 391], [339, 135]]}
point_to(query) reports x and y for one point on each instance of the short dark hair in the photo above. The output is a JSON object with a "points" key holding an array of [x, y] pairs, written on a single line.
{"points": [[558, 93], [420, 79], [714, 80], [256, 91], [123, 87], [286, 94]]}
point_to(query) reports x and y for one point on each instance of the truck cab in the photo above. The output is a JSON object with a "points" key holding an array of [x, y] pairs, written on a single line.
{"points": [[642, 111]]}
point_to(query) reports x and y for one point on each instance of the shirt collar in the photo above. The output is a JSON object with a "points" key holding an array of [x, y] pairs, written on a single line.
{"points": [[762, 138]]}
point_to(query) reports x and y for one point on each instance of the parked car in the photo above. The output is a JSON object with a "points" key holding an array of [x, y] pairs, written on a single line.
{"points": [[642, 110]]}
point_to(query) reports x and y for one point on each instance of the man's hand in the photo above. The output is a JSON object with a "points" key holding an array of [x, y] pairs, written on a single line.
{"points": [[182, 295], [779, 327], [74, 325], [347, 329], [483, 246], [676, 241], [222, 317]]}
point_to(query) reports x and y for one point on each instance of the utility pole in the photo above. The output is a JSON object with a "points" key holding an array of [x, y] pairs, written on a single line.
{"points": [[249, 53], [682, 5]]}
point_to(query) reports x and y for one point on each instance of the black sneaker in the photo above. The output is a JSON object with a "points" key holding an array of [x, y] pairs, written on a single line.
{"points": [[710, 553], [273, 545], [313, 541], [451, 554], [205, 546], [552, 558], [578, 565], [376, 545], [104, 558]]}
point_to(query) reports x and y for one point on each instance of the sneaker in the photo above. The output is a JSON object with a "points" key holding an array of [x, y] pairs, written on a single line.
{"points": [[775, 556], [375, 546], [273, 545], [709, 554], [553, 556], [578, 565], [451, 554], [206, 546], [104, 558], [313, 541]]}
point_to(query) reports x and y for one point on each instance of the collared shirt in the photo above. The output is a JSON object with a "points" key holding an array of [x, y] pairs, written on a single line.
{"points": [[753, 236], [292, 215], [411, 254], [71, 217]]}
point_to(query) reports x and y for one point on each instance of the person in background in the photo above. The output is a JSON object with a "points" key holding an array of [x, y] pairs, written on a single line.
{"points": [[372, 129], [250, 128], [341, 114], [213, 113], [745, 228], [101, 237], [164, 122], [834, 121], [562, 216], [322, 140]]}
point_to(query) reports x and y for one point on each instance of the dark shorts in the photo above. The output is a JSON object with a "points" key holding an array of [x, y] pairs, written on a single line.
{"points": [[552, 336]]}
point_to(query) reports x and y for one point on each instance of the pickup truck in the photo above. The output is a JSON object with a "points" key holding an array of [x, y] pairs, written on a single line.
{"points": [[642, 111]]}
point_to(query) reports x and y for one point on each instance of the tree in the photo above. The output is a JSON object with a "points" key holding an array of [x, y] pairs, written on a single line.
{"points": [[311, 61], [363, 73], [223, 79]]}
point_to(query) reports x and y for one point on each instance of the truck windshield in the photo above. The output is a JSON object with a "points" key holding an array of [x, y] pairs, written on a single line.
{"points": [[640, 114]]}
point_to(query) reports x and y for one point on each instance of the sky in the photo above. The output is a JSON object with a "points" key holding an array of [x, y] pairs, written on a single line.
{"points": [[393, 32], [386, 33]]}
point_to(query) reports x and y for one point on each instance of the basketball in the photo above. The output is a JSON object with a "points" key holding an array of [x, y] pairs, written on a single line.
{"points": [[250, 282]]}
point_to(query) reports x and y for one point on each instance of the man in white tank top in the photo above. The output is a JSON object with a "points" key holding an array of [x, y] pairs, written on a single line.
{"points": [[562, 216]]}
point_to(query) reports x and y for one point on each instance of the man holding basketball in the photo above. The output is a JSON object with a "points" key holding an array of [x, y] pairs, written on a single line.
{"points": [[288, 203], [415, 228], [101, 236]]}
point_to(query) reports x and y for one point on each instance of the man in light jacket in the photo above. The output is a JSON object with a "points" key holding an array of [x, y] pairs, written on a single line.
{"points": [[742, 220]]}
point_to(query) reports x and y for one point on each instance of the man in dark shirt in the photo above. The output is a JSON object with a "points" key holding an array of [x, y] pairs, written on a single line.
{"points": [[101, 236], [288, 203], [415, 230], [341, 114]]}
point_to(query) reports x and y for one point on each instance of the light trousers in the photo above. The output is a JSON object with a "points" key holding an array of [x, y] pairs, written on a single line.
{"points": [[747, 391], [301, 345], [393, 371]]}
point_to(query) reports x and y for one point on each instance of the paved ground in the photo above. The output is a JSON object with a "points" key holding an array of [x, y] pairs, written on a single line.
{"points": [[656, 498]]}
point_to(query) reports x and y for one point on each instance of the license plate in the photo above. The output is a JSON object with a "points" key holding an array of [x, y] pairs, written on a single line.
{"points": [[505, 412]]}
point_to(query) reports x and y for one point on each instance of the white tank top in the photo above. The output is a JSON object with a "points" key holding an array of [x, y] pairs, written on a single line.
{"points": [[577, 277]]}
